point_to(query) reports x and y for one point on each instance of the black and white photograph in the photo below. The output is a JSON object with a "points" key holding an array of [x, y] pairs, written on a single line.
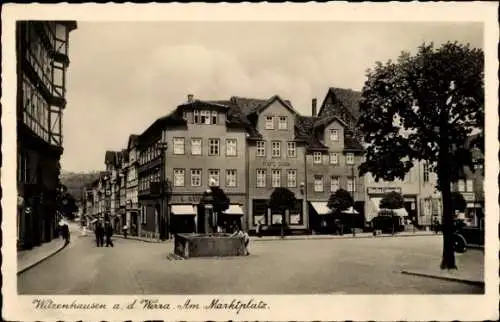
{"points": [[169, 167]]}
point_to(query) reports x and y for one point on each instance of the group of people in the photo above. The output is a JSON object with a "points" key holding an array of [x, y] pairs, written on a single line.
{"points": [[102, 230], [238, 232]]}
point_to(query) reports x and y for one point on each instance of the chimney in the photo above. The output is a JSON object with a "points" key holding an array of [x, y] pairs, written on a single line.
{"points": [[314, 103], [190, 98]]}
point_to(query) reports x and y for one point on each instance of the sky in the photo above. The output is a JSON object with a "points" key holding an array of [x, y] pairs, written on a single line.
{"points": [[124, 75]]}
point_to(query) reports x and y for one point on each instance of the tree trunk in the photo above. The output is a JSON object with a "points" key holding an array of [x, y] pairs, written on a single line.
{"points": [[448, 259]]}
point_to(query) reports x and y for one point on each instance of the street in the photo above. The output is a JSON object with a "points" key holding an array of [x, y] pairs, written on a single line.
{"points": [[327, 266]]}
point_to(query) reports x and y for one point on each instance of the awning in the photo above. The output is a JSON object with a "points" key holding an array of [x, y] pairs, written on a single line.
{"points": [[321, 208], [183, 210], [401, 212], [373, 208], [234, 210], [350, 210]]}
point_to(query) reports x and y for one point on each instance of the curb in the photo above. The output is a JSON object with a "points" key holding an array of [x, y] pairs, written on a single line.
{"points": [[42, 260], [476, 247], [445, 278], [154, 241], [254, 238]]}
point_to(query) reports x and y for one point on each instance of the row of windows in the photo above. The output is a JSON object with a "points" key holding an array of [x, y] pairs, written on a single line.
{"points": [[319, 183], [197, 174], [145, 182], [213, 146], [149, 154], [35, 110], [333, 158], [282, 122], [291, 149], [201, 117], [291, 178], [465, 185]]}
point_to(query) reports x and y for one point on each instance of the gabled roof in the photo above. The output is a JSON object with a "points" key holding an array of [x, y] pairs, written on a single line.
{"points": [[273, 99], [133, 139], [304, 130], [346, 97], [111, 157], [247, 105], [328, 120]]}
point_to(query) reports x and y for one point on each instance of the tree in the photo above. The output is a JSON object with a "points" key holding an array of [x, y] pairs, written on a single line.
{"points": [[458, 201], [340, 200], [392, 200], [281, 200], [422, 108], [221, 201]]}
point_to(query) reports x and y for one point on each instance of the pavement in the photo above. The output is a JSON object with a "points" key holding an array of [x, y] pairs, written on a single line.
{"points": [[314, 266]]}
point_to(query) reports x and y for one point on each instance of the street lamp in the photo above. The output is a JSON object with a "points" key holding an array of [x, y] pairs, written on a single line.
{"points": [[164, 219]]}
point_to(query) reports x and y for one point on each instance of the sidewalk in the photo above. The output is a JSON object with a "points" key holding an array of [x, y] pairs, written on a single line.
{"points": [[26, 259], [470, 269], [358, 235], [144, 239]]}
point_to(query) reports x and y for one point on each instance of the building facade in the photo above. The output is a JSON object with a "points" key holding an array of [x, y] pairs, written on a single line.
{"points": [[42, 62], [132, 202]]}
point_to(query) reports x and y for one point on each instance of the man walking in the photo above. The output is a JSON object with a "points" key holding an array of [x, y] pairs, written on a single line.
{"points": [[109, 232], [99, 234]]}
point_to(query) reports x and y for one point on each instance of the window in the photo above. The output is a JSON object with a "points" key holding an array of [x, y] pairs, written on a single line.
{"points": [[291, 150], [231, 178], [196, 146], [204, 117], [269, 123], [276, 178], [350, 158], [213, 177], [334, 158], [283, 123], [317, 157], [469, 185], [143, 214], [261, 148], [291, 178], [179, 177], [261, 178], [276, 149], [196, 115], [461, 185], [185, 116], [334, 135], [178, 145], [214, 117], [231, 147], [318, 183], [426, 172], [351, 185], [195, 177], [213, 147], [334, 184]]}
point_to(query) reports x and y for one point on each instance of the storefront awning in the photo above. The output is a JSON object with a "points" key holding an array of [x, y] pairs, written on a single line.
{"points": [[350, 210], [321, 208], [183, 210], [373, 208], [234, 210], [401, 212]]}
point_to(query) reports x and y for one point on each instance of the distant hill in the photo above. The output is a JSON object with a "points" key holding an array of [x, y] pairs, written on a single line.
{"points": [[76, 181]]}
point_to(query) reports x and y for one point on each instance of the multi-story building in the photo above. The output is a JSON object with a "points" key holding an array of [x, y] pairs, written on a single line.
{"points": [[98, 198], [122, 182], [276, 155], [132, 202], [42, 62], [207, 148]]}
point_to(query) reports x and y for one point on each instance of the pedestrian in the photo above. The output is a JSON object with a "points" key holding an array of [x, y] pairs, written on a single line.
{"points": [[109, 232], [99, 234], [246, 238], [258, 230], [64, 228], [125, 231]]}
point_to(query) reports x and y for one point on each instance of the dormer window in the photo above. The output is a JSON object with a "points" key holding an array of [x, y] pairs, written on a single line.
{"points": [[334, 135], [269, 123], [204, 117], [196, 114], [283, 124], [214, 117]]}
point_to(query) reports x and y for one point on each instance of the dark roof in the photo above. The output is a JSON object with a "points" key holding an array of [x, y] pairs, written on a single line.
{"points": [[110, 157], [248, 105], [173, 118], [304, 130], [133, 139], [346, 97], [352, 144]]}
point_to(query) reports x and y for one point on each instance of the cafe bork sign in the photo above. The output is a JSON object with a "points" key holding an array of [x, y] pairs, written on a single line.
{"points": [[276, 164], [382, 190]]}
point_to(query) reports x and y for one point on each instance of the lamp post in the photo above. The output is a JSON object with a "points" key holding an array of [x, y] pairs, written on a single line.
{"points": [[352, 212], [164, 218]]}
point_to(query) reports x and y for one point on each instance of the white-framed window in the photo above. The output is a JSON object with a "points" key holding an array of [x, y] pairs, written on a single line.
{"points": [[334, 135], [317, 156], [283, 123], [213, 146], [351, 184], [291, 178], [231, 147], [261, 178], [334, 184], [349, 158], [231, 178], [461, 185], [213, 177], [179, 177], [276, 149], [276, 178], [195, 177], [291, 150], [178, 145], [204, 117], [196, 118], [318, 183], [214, 117], [426, 172], [469, 185], [143, 215], [269, 122], [334, 158], [261, 148], [185, 115], [196, 146]]}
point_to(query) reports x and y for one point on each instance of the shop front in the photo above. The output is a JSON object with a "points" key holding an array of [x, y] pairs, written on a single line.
{"points": [[474, 209], [272, 221], [375, 196]]}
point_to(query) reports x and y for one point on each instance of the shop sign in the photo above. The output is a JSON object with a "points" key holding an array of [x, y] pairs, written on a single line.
{"points": [[275, 164], [468, 196], [382, 190], [193, 199]]}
